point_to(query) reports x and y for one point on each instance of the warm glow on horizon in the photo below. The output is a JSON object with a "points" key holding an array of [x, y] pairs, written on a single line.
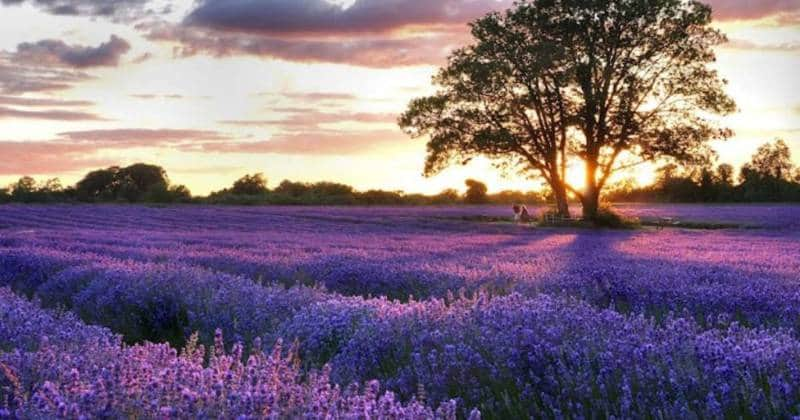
{"points": [[213, 105]]}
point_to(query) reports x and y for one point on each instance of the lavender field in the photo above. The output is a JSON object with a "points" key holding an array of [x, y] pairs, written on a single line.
{"points": [[207, 312]]}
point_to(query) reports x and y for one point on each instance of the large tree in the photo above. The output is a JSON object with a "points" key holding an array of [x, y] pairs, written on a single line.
{"points": [[595, 80], [501, 98]]}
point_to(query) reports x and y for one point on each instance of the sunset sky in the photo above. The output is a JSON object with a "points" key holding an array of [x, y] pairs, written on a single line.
{"points": [[301, 89]]}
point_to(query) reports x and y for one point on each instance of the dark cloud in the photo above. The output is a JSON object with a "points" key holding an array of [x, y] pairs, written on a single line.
{"points": [[380, 51], [281, 17], [52, 52], [50, 114], [371, 33], [115, 9], [304, 17]]}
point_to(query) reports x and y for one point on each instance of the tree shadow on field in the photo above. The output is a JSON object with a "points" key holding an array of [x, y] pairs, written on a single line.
{"points": [[599, 272]]}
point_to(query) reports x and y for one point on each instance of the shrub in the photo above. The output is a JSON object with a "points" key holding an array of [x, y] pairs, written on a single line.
{"points": [[607, 217]]}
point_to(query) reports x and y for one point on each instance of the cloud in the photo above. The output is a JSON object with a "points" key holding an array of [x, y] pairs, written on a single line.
{"points": [[306, 119], [382, 51], [371, 33], [18, 79], [316, 96], [314, 143], [115, 9], [45, 157], [156, 96], [50, 114], [52, 52], [321, 17], [749, 9], [41, 102], [282, 17], [76, 150], [746, 45], [138, 137]]}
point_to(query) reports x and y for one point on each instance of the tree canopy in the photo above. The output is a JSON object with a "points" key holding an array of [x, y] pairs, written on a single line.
{"points": [[250, 185], [598, 81]]}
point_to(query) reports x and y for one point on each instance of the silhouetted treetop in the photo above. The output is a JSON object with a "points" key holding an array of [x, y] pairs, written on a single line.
{"points": [[476, 192], [250, 185]]}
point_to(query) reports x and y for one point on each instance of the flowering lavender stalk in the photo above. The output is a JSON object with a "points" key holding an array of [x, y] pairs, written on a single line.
{"points": [[75, 371]]}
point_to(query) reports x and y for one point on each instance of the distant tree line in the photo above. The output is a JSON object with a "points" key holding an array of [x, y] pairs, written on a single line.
{"points": [[138, 183], [144, 183], [770, 176], [252, 189]]}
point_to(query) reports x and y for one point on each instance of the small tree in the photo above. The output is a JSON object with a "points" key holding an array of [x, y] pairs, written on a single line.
{"points": [[255, 184], [24, 189], [725, 175], [773, 160], [476, 192], [446, 196]]}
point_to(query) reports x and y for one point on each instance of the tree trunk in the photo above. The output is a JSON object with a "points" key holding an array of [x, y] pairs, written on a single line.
{"points": [[591, 196], [560, 195]]}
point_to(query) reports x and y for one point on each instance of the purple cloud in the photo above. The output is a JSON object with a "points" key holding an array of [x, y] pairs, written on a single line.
{"points": [[16, 78], [379, 51], [372, 33], [52, 52], [115, 9], [281, 17]]}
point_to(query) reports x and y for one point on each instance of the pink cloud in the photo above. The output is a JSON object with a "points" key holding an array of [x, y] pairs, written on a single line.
{"points": [[305, 119], [37, 158], [380, 51], [371, 33], [314, 143], [51, 114], [750, 9], [41, 102], [137, 135]]}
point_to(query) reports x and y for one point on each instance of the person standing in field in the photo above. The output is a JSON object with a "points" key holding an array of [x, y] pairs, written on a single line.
{"points": [[521, 214]]}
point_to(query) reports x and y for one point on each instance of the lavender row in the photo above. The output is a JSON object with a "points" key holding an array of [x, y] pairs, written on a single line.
{"points": [[74, 371], [750, 277], [511, 356]]}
